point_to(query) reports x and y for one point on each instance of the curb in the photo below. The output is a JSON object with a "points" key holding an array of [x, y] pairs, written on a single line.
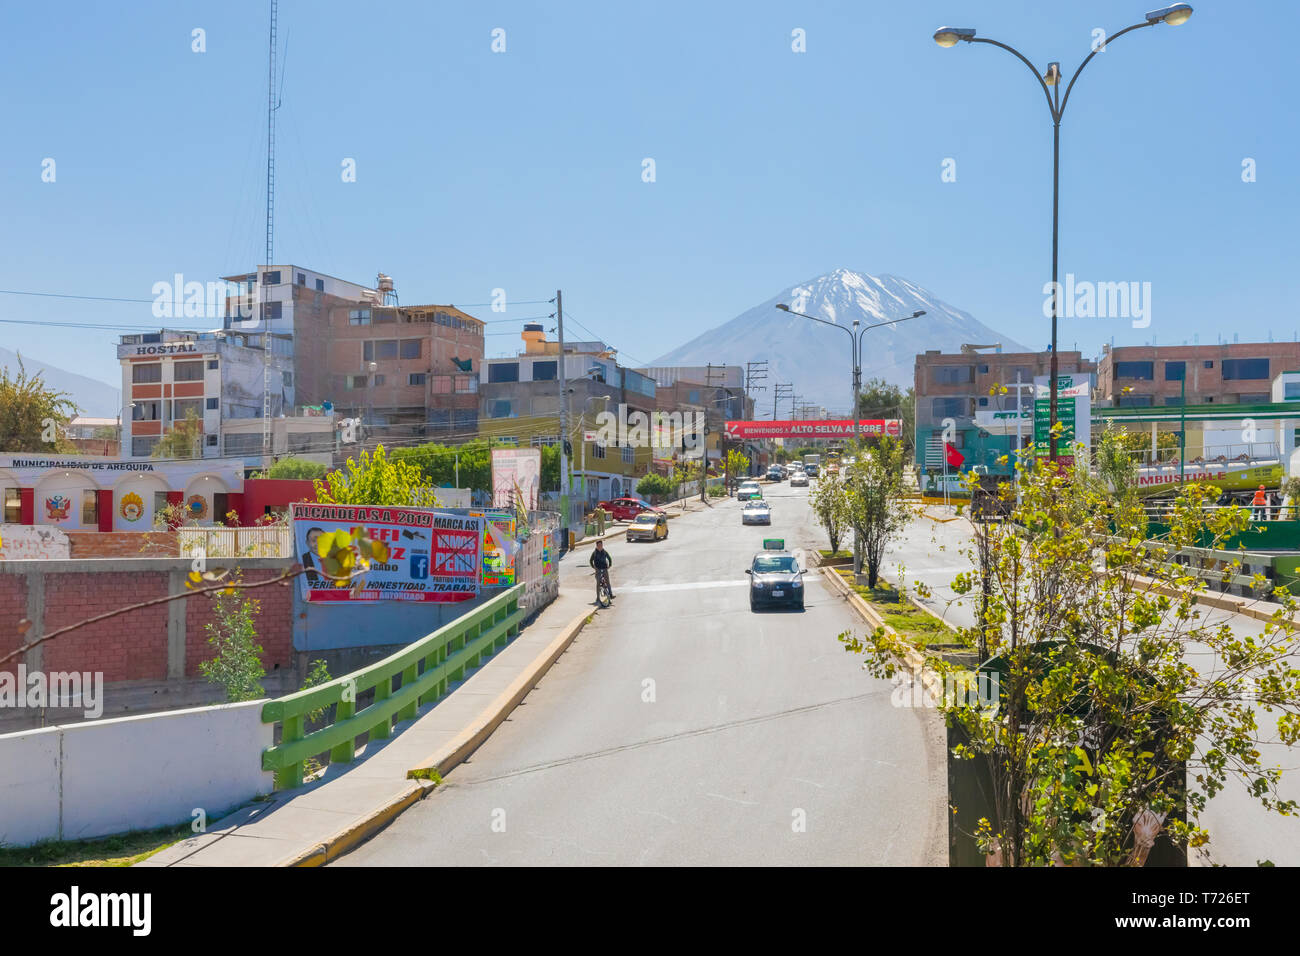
{"points": [[911, 657], [442, 760], [1246, 607]]}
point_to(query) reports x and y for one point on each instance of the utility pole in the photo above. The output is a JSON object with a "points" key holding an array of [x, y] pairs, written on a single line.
{"points": [[564, 427], [271, 107], [779, 392]]}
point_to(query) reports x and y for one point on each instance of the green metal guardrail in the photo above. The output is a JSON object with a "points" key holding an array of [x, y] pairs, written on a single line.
{"points": [[1219, 575], [427, 668]]}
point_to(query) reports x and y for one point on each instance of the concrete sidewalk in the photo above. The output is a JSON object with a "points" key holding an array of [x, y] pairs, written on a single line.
{"points": [[313, 824]]}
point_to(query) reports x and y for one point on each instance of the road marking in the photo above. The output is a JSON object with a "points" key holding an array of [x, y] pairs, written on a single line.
{"points": [[748, 803], [682, 586]]}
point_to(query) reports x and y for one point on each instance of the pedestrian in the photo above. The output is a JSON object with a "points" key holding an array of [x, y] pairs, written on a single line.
{"points": [[1259, 506]]}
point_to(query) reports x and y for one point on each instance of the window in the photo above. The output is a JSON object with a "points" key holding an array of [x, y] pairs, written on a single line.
{"points": [[356, 381], [359, 317], [984, 369], [141, 374], [598, 451], [302, 279], [320, 285], [187, 372], [1254, 398], [545, 371], [410, 348], [1209, 363], [183, 406], [379, 380], [629, 455], [498, 408], [271, 278], [984, 403], [13, 506], [1175, 371], [142, 411], [143, 447], [1244, 368], [211, 440], [272, 310], [953, 374], [212, 405], [89, 507], [287, 378], [693, 397], [1134, 401], [1143, 371], [1173, 400], [1290, 391], [948, 407], [212, 365], [503, 372], [379, 349], [416, 378]]}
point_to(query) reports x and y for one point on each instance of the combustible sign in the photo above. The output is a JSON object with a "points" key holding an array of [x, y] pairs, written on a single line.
{"points": [[805, 428], [433, 556]]}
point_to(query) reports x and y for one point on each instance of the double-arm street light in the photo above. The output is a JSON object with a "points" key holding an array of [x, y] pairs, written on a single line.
{"points": [[949, 36], [855, 345]]}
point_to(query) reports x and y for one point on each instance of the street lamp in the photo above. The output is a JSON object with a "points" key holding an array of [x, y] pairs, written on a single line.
{"points": [[855, 345], [1173, 15]]}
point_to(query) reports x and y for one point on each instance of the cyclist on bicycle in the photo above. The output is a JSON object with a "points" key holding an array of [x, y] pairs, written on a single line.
{"points": [[601, 560]]}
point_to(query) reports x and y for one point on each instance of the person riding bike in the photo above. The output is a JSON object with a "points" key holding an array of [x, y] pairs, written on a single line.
{"points": [[601, 560]]}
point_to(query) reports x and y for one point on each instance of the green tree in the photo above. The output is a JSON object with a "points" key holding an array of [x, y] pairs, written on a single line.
{"points": [[876, 507], [879, 399], [377, 480], [1114, 462], [33, 416], [655, 485], [830, 504], [232, 634], [296, 468], [185, 440], [735, 465], [1120, 708]]}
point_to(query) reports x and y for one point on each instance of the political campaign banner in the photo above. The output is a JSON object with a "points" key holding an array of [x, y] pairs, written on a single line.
{"points": [[516, 477], [433, 555], [499, 549], [814, 428]]}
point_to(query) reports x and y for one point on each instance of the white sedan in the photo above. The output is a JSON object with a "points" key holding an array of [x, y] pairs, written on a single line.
{"points": [[799, 480]]}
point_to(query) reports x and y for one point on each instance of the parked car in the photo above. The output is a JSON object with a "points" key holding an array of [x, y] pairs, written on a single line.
{"points": [[648, 526], [748, 489], [756, 511], [775, 473], [625, 509], [775, 580]]}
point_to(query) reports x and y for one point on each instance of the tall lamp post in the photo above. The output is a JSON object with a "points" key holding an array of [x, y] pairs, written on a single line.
{"points": [[855, 345], [1173, 15], [855, 348]]}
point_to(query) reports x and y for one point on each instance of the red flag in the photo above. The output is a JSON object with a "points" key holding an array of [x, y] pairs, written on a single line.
{"points": [[955, 458]]}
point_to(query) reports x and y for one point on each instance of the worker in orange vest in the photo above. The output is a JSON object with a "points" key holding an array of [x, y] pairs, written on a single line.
{"points": [[1260, 505]]}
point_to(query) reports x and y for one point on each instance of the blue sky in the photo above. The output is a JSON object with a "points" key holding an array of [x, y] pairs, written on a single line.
{"points": [[523, 170]]}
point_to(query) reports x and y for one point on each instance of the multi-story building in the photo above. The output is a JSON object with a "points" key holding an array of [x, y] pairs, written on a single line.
{"points": [[292, 300], [1227, 374], [401, 369], [519, 402], [94, 436], [955, 389], [217, 376], [718, 393]]}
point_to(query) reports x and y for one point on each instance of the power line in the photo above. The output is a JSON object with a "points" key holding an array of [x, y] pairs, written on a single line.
{"points": [[67, 295]]}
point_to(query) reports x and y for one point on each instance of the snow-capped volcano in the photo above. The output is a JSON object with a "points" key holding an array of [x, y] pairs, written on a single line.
{"points": [[816, 359]]}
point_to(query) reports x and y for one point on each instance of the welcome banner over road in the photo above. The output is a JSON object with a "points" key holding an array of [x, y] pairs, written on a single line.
{"points": [[817, 428]]}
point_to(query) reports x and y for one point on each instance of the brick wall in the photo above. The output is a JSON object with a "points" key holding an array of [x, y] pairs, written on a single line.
{"points": [[122, 544], [135, 645]]}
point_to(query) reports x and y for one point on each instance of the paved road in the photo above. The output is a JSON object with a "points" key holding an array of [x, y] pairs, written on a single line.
{"points": [[682, 729], [1241, 831]]}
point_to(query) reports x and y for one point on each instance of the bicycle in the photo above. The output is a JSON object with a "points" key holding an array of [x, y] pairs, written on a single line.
{"points": [[604, 596]]}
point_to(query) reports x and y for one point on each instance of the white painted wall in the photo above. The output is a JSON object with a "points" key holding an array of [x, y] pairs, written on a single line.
{"points": [[130, 773]]}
